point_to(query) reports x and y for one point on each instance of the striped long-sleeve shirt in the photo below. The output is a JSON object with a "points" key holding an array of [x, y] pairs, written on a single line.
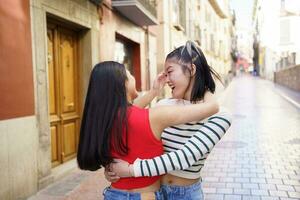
{"points": [[186, 146]]}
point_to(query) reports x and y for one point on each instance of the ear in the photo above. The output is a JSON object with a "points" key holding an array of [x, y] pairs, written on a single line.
{"points": [[193, 70]]}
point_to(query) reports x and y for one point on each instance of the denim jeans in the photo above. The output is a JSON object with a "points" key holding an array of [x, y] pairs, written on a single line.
{"points": [[174, 192], [114, 194]]}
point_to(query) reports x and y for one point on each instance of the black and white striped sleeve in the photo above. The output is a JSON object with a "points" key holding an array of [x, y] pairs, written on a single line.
{"points": [[197, 146]]}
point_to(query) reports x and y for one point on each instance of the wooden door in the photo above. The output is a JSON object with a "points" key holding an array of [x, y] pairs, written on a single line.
{"points": [[63, 93]]}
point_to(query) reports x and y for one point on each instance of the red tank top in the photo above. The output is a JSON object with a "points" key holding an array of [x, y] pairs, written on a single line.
{"points": [[141, 144]]}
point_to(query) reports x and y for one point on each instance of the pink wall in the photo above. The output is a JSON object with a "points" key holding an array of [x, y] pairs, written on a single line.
{"points": [[16, 73]]}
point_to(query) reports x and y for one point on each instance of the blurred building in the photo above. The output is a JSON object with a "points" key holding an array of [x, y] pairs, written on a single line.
{"points": [[289, 41], [266, 18], [216, 32], [234, 46], [245, 51], [278, 49]]}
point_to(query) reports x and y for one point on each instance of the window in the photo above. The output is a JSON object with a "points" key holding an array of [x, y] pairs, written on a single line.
{"points": [[178, 14], [123, 54], [128, 53]]}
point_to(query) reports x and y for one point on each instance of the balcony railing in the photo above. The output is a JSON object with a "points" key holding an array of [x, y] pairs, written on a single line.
{"points": [[140, 12]]}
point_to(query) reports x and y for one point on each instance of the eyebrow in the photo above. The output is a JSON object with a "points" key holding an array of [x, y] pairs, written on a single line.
{"points": [[169, 67]]}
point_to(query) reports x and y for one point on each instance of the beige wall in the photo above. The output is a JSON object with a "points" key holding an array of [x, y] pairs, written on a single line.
{"points": [[113, 23], [212, 23], [18, 157]]}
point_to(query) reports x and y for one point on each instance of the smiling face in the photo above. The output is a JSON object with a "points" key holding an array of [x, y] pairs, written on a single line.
{"points": [[179, 80]]}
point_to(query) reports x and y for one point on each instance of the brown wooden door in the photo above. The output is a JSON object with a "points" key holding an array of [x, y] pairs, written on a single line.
{"points": [[63, 93]]}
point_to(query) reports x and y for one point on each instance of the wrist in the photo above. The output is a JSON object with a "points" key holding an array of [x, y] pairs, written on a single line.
{"points": [[131, 170], [154, 93]]}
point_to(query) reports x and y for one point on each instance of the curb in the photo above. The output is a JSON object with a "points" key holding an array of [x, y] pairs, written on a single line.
{"points": [[296, 104]]}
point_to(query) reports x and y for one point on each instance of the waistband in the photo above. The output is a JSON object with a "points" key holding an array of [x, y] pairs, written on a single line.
{"points": [[179, 189], [127, 195]]}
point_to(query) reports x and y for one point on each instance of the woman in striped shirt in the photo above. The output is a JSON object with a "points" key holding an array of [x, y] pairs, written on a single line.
{"points": [[188, 145], [114, 128]]}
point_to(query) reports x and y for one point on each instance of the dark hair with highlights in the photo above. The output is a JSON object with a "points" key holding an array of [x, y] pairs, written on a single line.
{"points": [[104, 117], [191, 54]]}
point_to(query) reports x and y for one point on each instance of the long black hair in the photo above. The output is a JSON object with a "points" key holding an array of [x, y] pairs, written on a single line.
{"points": [[104, 117], [191, 54]]}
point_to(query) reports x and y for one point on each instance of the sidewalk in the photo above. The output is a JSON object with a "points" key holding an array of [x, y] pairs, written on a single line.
{"points": [[257, 159], [79, 185]]}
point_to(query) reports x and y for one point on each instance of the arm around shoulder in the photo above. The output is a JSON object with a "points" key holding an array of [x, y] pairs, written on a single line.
{"points": [[201, 143], [165, 116]]}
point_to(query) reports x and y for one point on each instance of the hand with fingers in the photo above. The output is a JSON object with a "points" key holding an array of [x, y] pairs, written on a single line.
{"points": [[110, 176], [159, 82], [121, 169]]}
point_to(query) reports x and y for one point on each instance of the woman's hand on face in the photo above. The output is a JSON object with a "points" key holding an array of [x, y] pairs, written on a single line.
{"points": [[121, 168], [159, 83], [110, 176]]}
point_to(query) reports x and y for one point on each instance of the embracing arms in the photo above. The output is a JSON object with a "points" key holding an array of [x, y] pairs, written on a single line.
{"points": [[197, 146]]}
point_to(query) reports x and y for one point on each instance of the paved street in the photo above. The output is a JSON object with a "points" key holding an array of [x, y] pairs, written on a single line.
{"points": [[258, 159]]}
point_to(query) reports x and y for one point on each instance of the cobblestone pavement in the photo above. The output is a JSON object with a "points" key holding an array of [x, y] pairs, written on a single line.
{"points": [[258, 159]]}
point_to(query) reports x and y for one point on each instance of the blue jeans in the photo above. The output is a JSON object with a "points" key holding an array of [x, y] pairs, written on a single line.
{"points": [[114, 194], [191, 192]]}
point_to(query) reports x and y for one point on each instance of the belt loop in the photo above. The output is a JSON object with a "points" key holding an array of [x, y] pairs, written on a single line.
{"points": [[182, 190], [158, 195], [103, 193]]}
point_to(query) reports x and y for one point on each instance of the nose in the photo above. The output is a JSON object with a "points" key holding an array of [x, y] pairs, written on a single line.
{"points": [[169, 82], [167, 78]]}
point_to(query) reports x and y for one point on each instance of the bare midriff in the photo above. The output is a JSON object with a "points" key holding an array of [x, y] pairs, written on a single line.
{"points": [[151, 188], [170, 179]]}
